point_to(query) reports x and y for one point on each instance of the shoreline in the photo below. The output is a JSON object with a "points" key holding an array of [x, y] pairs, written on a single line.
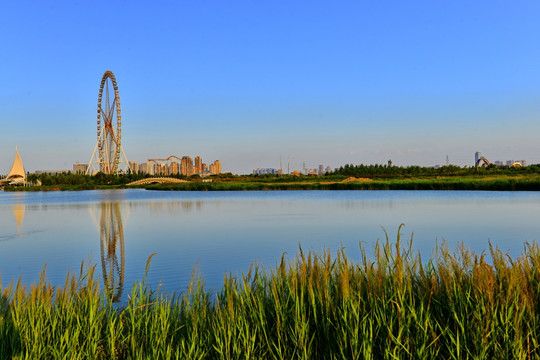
{"points": [[493, 183]]}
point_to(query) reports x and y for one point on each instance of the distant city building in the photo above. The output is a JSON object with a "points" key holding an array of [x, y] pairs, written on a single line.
{"points": [[187, 166], [320, 170], [215, 168], [518, 162], [80, 168], [266, 171], [174, 168], [161, 169], [51, 172], [147, 168], [134, 167], [198, 164], [217, 164], [477, 157]]}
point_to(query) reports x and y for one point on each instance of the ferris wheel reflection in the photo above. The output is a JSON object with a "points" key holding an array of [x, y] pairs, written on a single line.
{"points": [[111, 242]]}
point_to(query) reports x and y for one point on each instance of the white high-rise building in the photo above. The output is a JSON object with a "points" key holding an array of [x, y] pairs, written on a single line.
{"points": [[477, 156], [134, 167], [80, 168], [147, 168]]}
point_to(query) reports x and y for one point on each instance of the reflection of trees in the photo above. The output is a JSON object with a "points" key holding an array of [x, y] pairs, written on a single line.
{"points": [[111, 233]]}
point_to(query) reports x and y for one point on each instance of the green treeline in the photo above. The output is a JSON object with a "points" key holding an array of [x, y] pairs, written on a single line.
{"points": [[367, 177], [69, 181], [99, 178], [457, 305], [79, 179], [389, 171]]}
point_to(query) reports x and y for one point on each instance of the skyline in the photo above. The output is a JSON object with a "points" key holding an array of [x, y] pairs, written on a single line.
{"points": [[247, 83]]}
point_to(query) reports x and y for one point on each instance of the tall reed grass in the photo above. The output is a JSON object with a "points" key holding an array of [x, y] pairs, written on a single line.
{"points": [[393, 305]]}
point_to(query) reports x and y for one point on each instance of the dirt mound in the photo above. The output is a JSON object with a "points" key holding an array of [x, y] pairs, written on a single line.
{"points": [[350, 179]]}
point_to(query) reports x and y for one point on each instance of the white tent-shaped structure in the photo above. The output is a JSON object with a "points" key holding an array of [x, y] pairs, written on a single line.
{"points": [[17, 175]]}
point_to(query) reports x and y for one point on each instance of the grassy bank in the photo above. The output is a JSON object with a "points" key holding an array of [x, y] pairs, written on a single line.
{"points": [[480, 180], [501, 183], [64, 187], [317, 306]]}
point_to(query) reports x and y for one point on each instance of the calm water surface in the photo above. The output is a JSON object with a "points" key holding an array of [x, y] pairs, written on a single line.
{"points": [[224, 232]]}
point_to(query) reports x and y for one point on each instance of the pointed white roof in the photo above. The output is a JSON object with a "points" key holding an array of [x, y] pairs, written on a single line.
{"points": [[17, 169]]}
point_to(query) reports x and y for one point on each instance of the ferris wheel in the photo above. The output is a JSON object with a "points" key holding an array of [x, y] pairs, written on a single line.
{"points": [[108, 156], [111, 243]]}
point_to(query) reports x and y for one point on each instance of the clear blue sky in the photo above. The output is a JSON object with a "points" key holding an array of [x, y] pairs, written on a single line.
{"points": [[324, 82]]}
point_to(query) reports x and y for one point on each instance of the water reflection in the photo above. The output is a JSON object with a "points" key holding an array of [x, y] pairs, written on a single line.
{"points": [[224, 232], [172, 207], [18, 211], [111, 241]]}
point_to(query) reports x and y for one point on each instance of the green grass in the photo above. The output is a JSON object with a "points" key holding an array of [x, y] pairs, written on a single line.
{"points": [[64, 187], [497, 183], [394, 305]]}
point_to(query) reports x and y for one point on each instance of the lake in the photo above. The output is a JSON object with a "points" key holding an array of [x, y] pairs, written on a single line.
{"points": [[217, 233]]}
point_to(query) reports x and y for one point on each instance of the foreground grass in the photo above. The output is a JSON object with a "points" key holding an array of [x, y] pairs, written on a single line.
{"points": [[394, 306]]}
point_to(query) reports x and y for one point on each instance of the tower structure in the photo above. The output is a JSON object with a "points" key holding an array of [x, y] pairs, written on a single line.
{"points": [[108, 156]]}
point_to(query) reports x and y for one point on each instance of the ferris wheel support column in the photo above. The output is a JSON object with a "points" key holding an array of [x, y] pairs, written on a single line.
{"points": [[125, 160], [93, 155]]}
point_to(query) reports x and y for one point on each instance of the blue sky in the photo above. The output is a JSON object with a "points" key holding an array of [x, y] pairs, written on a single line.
{"points": [[247, 81]]}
